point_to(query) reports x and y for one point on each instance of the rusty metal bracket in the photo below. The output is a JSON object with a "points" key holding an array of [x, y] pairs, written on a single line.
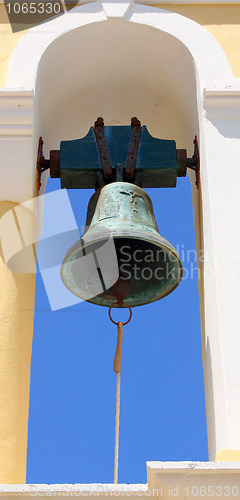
{"points": [[194, 162], [54, 163], [42, 164], [133, 148], [102, 148], [183, 162]]}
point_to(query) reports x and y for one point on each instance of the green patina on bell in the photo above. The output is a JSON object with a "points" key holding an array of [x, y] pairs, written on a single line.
{"points": [[121, 256]]}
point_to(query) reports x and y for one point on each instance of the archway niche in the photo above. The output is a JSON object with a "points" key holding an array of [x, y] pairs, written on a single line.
{"points": [[171, 73], [135, 70]]}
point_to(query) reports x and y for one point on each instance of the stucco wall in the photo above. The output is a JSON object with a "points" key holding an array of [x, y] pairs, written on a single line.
{"points": [[17, 313], [8, 41], [220, 313], [223, 21]]}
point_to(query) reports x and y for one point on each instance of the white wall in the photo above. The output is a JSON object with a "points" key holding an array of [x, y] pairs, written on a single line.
{"points": [[120, 60]]}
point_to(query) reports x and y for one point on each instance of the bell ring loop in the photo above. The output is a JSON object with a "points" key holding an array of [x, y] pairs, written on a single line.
{"points": [[116, 323]]}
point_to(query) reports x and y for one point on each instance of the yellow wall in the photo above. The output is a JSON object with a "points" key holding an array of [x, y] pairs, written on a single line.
{"points": [[8, 41], [223, 21], [17, 300]]}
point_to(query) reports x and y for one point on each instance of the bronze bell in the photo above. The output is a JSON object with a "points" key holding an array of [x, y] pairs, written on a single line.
{"points": [[121, 256]]}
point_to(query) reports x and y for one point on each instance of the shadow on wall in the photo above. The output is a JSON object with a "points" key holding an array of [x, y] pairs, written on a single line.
{"points": [[230, 129], [209, 396]]}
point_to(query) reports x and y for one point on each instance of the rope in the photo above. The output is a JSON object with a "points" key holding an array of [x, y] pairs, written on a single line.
{"points": [[118, 354], [117, 430], [117, 369]]}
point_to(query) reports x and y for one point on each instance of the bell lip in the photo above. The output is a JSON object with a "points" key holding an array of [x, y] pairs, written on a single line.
{"points": [[169, 247], [102, 236], [134, 305]]}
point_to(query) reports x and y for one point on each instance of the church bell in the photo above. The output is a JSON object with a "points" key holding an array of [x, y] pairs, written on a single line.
{"points": [[147, 267], [121, 259]]}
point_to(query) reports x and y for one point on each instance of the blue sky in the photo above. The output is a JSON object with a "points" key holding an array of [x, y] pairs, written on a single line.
{"points": [[72, 396]]}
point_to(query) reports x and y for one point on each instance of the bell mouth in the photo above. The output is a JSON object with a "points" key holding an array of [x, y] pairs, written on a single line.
{"points": [[134, 271]]}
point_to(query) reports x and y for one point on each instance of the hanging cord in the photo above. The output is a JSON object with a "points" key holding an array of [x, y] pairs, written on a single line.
{"points": [[117, 369]]}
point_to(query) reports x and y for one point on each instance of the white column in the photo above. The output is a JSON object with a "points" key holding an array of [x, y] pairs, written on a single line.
{"points": [[220, 186]]}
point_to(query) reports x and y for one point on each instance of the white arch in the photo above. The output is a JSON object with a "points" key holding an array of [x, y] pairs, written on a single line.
{"points": [[209, 58], [219, 148]]}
